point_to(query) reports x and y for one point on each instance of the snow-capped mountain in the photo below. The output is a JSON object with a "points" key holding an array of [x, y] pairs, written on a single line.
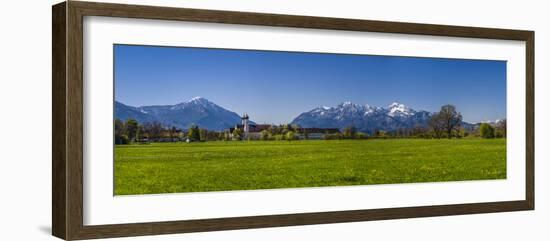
{"points": [[206, 114], [196, 111], [399, 110], [364, 117]]}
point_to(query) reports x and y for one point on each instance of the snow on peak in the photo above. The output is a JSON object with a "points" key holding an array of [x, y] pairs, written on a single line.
{"points": [[396, 108], [321, 109], [348, 106], [193, 101], [199, 100], [370, 109], [396, 105], [196, 98]]}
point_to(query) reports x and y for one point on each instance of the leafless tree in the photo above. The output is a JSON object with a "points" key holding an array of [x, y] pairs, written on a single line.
{"points": [[452, 119], [153, 130], [437, 124]]}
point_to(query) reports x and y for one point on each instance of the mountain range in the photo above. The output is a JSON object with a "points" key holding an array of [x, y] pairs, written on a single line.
{"points": [[197, 111], [206, 114], [364, 117]]}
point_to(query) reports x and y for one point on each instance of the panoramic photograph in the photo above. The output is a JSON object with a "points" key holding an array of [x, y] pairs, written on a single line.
{"points": [[190, 119]]}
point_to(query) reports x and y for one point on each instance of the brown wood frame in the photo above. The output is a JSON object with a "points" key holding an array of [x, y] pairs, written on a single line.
{"points": [[67, 123]]}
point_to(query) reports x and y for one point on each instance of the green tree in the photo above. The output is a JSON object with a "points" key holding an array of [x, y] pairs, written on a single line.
{"points": [[173, 132], [486, 131], [379, 133], [290, 135], [214, 136], [285, 129], [203, 133], [265, 135], [461, 133], [237, 134], [132, 127], [350, 132], [120, 132], [140, 133], [194, 133], [226, 136], [294, 127], [305, 132], [335, 136], [119, 127]]}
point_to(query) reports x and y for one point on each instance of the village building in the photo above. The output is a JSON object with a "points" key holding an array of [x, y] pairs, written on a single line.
{"points": [[253, 131], [250, 131]]}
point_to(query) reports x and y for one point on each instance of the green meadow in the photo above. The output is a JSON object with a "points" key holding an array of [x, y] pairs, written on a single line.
{"points": [[248, 165]]}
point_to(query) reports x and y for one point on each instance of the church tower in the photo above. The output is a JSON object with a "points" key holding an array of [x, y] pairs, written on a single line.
{"points": [[245, 124]]}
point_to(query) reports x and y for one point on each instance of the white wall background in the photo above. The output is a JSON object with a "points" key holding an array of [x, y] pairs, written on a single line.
{"points": [[25, 119]]}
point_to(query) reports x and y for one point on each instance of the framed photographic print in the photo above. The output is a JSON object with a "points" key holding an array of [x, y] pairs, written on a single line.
{"points": [[171, 120]]}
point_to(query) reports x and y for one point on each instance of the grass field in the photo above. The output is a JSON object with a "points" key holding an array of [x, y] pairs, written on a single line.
{"points": [[219, 166]]}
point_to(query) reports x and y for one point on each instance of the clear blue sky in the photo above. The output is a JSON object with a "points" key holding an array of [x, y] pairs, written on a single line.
{"points": [[274, 87]]}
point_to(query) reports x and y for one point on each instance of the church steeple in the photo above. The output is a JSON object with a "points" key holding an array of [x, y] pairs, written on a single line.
{"points": [[244, 120]]}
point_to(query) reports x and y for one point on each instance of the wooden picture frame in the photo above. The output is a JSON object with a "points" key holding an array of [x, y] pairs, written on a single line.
{"points": [[67, 124]]}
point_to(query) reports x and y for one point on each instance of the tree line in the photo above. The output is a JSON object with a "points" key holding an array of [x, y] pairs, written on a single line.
{"points": [[446, 123], [131, 131], [284, 132]]}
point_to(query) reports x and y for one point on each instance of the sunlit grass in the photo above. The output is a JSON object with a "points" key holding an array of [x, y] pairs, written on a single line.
{"points": [[233, 165]]}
